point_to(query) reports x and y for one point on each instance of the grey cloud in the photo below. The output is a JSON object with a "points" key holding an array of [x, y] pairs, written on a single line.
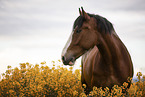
{"points": [[116, 5], [27, 16], [18, 17]]}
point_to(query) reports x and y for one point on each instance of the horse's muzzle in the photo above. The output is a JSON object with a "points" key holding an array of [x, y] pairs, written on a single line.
{"points": [[68, 60]]}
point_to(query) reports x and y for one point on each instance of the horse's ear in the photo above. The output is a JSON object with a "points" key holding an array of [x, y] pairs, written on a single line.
{"points": [[84, 14], [80, 12]]}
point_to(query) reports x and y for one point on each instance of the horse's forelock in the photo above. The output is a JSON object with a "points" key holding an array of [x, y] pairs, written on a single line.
{"points": [[78, 22]]}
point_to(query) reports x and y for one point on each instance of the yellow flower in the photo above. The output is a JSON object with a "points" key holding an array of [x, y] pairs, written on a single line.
{"points": [[75, 93], [59, 60], [9, 67], [125, 84], [53, 62], [35, 80], [22, 65], [71, 67], [139, 74], [84, 86], [43, 63], [83, 95]]}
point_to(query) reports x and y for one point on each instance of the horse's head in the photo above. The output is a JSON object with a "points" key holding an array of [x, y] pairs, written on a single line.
{"points": [[83, 38]]}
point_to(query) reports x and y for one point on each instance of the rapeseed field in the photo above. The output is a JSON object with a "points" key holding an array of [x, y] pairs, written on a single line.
{"points": [[43, 80]]}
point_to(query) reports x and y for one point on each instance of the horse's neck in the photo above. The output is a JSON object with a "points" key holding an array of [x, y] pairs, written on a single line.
{"points": [[109, 47], [85, 55]]}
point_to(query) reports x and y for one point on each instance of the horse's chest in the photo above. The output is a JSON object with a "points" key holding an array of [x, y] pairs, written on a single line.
{"points": [[88, 64]]}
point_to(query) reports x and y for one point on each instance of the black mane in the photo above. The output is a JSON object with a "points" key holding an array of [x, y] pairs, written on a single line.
{"points": [[103, 25]]}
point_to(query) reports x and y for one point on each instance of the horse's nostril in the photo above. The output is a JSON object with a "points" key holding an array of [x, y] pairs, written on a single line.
{"points": [[63, 58]]}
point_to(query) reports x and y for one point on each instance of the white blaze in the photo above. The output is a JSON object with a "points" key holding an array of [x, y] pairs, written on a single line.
{"points": [[67, 44]]}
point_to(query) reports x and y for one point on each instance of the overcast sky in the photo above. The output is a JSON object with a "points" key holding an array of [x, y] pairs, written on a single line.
{"points": [[37, 30]]}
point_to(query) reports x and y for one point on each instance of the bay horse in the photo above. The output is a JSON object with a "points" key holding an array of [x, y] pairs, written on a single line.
{"points": [[105, 59]]}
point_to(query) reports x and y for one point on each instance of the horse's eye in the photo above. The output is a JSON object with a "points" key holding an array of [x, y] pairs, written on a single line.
{"points": [[78, 31]]}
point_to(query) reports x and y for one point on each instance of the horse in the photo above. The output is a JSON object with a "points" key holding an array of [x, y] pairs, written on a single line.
{"points": [[105, 59]]}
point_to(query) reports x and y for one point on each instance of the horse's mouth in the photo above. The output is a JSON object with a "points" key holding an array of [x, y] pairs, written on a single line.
{"points": [[72, 62]]}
